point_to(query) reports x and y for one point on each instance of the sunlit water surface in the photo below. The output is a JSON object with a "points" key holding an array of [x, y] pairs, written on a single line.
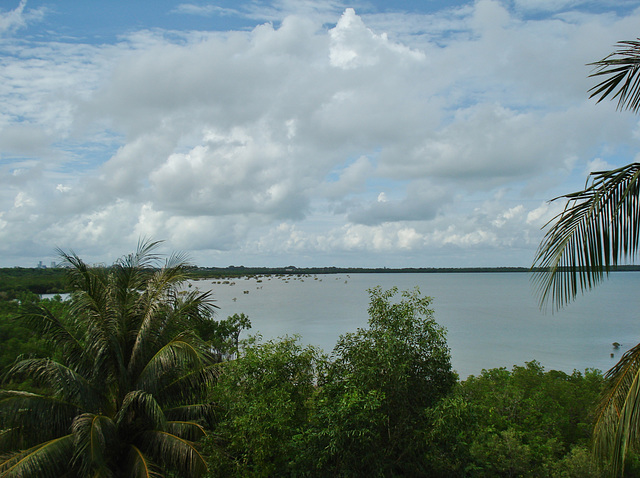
{"points": [[492, 319]]}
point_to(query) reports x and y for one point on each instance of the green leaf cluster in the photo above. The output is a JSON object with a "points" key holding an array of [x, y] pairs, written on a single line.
{"points": [[523, 422], [264, 402], [16, 339], [130, 385], [372, 402], [287, 410]]}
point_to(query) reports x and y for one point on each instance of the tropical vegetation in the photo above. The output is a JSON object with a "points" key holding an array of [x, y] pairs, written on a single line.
{"points": [[123, 390], [134, 375], [387, 403], [599, 227]]}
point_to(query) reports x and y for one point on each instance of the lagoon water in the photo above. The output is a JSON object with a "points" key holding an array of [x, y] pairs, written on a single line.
{"points": [[492, 319]]}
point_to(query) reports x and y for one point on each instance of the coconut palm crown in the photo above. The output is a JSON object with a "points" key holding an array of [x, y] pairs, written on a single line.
{"points": [[124, 391]]}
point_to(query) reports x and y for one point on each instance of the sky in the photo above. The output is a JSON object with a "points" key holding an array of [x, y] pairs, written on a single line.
{"points": [[301, 132]]}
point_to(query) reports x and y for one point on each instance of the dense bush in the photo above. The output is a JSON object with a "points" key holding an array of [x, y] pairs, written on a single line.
{"points": [[263, 402], [371, 404], [525, 421], [286, 410], [387, 404], [15, 280], [16, 339]]}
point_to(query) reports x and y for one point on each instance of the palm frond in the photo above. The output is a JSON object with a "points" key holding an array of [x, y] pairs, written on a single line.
{"points": [[189, 387], [598, 227], [191, 412], [618, 416], [622, 67], [95, 437], [148, 337], [94, 313], [144, 257], [130, 275], [140, 466], [43, 322], [173, 359], [83, 278], [179, 452], [49, 459], [65, 383], [172, 274], [26, 412], [153, 305], [189, 309], [140, 411], [178, 260], [184, 429]]}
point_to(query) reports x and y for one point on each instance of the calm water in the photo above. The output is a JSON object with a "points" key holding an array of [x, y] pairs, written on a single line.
{"points": [[492, 319]]}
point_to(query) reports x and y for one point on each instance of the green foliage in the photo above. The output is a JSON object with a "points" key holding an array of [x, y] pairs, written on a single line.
{"points": [[16, 339], [599, 227], [263, 403], [578, 463], [371, 407], [621, 67], [123, 392], [16, 280], [223, 336], [519, 423], [451, 426], [120, 383]]}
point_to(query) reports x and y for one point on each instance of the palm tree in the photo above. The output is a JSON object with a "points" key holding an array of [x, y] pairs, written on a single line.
{"points": [[598, 228], [124, 392]]}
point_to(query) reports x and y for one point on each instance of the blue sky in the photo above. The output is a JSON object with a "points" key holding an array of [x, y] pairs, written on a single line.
{"points": [[397, 134]]}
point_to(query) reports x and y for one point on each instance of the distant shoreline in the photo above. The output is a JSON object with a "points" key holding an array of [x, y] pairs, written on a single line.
{"points": [[239, 271], [53, 280]]}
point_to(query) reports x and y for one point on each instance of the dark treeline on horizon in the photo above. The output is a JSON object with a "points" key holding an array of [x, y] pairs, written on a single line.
{"points": [[242, 270], [53, 280]]}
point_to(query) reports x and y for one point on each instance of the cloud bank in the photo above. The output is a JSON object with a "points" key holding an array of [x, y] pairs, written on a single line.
{"points": [[367, 141]]}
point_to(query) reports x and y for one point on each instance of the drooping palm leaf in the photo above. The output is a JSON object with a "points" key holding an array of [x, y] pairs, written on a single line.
{"points": [[65, 383], [44, 323], [623, 82], [192, 308], [140, 465], [140, 411], [598, 227], [173, 359], [95, 439], [190, 430], [47, 460], [617, 424], [179, 452], [26, 412], [193, 411], [190, 387]]}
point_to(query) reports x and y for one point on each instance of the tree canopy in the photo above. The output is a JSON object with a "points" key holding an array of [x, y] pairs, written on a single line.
{"points": [[123, 392]]}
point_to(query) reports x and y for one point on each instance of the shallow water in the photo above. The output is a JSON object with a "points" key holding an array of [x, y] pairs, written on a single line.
{"points": [[492, 319]]}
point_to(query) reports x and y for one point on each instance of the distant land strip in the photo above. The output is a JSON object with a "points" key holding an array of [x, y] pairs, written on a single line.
{"points": [[52, 280], [239, 271]]}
